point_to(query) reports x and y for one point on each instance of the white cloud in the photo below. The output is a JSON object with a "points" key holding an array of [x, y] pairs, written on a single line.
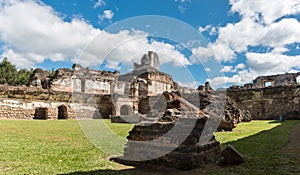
{"points": [[240, 66], [265, 11], [218, 51], [44, 34], [192, 85], [266, 27], [236, 68], [259, 64], [107, 14], [226, 69], [208, 69], [212, 30], [99, 3], [128, 47], [242, 77], [272, 63], [237, 37]]}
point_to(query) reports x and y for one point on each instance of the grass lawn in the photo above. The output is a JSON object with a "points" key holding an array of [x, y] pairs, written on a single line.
{"points": [[58, 147], [50, 147], [261, 144]]}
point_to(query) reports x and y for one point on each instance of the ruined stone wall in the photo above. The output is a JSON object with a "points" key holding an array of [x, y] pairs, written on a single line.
{"points": [[276, 80], [269, 103], [157, 88], [287, 79], [124, 105], [88, 81], [35, 103], [157, 82], [20, 109], [64, 84]]}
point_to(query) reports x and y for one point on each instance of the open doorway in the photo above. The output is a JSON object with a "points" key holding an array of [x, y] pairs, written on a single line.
{"points": [[41, 113], [62, 112]]}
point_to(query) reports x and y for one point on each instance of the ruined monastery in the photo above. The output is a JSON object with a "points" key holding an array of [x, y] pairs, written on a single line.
{"points": [[86, 93]]}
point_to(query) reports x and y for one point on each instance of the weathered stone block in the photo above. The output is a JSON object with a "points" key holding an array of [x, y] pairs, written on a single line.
{"points": [[232, 156]]}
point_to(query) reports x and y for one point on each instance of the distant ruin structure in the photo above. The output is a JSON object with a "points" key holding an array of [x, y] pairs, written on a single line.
{"points": [[268, 97], [277, 80], [101, 93], [87, 93]]}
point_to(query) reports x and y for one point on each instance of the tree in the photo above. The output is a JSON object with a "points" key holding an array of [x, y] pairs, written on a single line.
{"points": [[11, 76], [23, 76], [8, 72]]}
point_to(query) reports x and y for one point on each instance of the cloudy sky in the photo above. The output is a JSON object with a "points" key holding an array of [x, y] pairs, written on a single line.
{"points": [[224, 41]]}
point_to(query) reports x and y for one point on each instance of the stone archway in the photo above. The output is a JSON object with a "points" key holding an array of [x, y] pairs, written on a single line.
{"points": [[62, 112], [126, 110]]}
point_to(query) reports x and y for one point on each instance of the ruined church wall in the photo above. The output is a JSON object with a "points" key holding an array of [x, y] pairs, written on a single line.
{"points": [[158, 87], [19, 109], [81, 85], [97, 87], [30, 103], [64, 84], [269, 103]]}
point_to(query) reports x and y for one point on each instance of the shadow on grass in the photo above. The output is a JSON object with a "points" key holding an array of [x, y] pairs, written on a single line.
{"points": [[275, 121], [146, 170], [262, 152]]}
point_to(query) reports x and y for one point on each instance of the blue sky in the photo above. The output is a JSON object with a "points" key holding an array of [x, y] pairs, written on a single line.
{"points": [[222, 41]]}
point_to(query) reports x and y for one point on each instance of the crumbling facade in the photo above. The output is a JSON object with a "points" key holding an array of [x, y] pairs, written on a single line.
{"points": [[103, 94], [108, 92], [287, 79], [270, 96]]}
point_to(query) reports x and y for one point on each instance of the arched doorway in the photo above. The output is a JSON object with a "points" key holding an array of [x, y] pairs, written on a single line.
{"points": [[41, 113], [125, 110], [62, 112]]}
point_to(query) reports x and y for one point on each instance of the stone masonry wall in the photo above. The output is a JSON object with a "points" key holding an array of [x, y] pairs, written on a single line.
{"points": [[35, 103], [269, 103]]}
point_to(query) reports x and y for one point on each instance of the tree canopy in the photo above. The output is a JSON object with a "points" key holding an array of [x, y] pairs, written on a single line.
{"points": [[10, 75]]}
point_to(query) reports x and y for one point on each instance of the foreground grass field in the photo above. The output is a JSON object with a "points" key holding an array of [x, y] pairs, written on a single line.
{"points": [[60, 147]]}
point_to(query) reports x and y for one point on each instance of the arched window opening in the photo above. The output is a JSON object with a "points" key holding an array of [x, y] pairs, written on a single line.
{"points": [[62, 112]]}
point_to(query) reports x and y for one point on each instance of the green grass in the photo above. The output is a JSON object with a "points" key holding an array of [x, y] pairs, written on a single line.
{"points": [[57, 147], [50, 147], [261, 143]]}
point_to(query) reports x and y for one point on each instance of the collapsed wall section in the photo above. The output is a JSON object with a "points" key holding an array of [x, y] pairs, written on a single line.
{"points": [[270, 102]]}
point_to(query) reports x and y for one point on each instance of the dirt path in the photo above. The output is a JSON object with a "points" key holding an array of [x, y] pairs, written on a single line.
{"points": [[292, 148]]}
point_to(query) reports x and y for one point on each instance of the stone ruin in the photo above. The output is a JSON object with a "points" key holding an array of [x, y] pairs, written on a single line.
{"points": [[280, 80], [268, 97], [57, 96], [183, 136], [170, 106], [173, 139], [217, 104], [173, 144]]}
